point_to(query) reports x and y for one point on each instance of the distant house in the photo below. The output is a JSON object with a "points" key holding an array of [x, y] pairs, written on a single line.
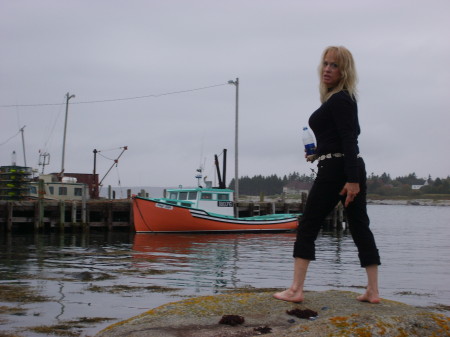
{"points": [[418, 187], [297, 187]]}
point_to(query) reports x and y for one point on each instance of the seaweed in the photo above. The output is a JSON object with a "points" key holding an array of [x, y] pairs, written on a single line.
{"points": [[305, 314], [232, 320], [20, 293]]}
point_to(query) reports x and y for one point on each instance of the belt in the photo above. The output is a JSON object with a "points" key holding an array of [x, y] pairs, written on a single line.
{"points": [[331, 155]]}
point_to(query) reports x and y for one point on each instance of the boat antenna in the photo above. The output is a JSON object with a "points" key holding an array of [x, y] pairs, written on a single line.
{"points": [[198, 176]]}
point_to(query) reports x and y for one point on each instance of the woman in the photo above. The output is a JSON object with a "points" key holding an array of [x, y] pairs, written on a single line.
{"points": [[341, 174]]}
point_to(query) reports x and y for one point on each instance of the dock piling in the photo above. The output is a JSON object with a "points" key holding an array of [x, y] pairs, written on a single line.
{"points": [[62, 215], [9, 211]]}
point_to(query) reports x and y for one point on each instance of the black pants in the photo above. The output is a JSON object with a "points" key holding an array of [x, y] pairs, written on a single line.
{"points": [[322, 199]]}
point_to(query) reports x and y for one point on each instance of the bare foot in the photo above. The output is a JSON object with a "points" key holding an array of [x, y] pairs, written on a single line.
{"points": [[369, 296], [289, 296]]}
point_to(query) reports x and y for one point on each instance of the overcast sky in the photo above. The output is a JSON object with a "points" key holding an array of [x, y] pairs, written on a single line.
{"points": [[159, 51]]}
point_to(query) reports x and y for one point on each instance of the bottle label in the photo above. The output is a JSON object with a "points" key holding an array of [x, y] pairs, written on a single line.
{"points": [[310, 149]]}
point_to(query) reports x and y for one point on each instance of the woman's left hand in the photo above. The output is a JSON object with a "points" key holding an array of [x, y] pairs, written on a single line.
{"points": [[351, 190]]}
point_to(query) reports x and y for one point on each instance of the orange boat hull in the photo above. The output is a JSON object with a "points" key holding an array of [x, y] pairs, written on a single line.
{"points": [[153, 216]]}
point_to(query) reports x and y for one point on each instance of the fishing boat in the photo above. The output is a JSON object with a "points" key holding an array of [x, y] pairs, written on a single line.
{"points": [[202, 209]]}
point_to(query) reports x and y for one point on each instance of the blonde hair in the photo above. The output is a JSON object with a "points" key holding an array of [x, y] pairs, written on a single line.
{"points": [[346, 67]]}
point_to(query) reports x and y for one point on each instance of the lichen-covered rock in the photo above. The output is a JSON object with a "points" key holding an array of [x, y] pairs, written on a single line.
{"points": [[355, 325], [339, 314]]}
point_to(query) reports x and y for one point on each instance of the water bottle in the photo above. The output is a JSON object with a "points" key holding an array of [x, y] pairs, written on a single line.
{"points": [[308, 141]]}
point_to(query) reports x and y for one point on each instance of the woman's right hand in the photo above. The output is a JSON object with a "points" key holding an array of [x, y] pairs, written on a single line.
{"points": [[311, 157]]}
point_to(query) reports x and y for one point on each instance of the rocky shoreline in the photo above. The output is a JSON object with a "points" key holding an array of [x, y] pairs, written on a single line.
{"points": [[370, 201], [332, 313], [413, 202]]}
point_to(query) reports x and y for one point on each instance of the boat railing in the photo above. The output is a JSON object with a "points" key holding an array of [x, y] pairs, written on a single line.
{"points": [[260, 217], [183, 203]]}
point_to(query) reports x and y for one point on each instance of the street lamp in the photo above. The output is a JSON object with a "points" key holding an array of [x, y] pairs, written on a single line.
{"points": [[236, 175]]}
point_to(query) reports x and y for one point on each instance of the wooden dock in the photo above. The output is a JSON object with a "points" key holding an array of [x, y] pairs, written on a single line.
{"points": [[59, 215], [44, 215]]}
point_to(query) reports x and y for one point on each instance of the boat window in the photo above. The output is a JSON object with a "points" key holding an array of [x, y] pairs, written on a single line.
{"points": [[173, 195], [183, 195], [207, 196], [222, 196], [186, 204], [51, 189], [63, 191], [171, 202], [33, 189], [78, 192], [192, 196]]}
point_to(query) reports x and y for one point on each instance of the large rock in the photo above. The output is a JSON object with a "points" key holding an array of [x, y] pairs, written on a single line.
{"points": [[339, 314]]}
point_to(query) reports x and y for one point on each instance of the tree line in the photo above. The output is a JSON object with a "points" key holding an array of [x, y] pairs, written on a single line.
{"points": [[382, 184], [386, 186], [269, 185]]}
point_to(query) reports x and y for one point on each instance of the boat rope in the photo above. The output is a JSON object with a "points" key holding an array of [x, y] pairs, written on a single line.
{"points": [[98, 152], [118, 181], [112, 149]]}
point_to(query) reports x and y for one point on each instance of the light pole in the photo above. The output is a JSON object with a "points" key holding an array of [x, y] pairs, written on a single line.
{"points": [[68, 97], [236, 143]]}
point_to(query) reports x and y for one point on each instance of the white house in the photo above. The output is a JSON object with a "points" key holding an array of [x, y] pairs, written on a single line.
{"points": [[418, 187], [297, 187]]}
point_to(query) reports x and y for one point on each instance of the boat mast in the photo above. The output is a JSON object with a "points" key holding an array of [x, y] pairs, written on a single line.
{"points": [[222, 181], [219, 177]]}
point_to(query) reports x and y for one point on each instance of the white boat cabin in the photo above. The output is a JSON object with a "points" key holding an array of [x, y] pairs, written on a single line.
{"points": [[214, 200], [67, 189]]}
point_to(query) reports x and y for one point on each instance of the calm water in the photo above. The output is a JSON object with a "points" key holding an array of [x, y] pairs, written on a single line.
{"points": [[122, 272]]}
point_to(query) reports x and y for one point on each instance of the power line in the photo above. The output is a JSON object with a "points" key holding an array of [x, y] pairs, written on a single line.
{"points": [[115, 99], [6, 141]]}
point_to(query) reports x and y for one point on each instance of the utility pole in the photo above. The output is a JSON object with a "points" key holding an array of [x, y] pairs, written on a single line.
{"points": [[23, 146], [236, 142], [68, 97], [94, 193]]}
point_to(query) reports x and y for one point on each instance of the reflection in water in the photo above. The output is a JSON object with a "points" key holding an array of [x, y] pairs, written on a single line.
{"points": [[84, 274], [213, 262], [208, 261]]}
